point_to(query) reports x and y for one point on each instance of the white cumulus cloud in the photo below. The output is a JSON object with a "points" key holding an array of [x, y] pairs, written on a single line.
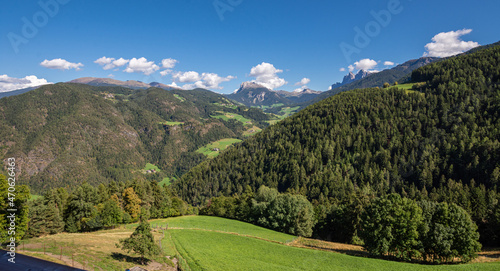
{"points": [[342, 70], [207, 81], [165, 72], [388, 63], [212, 80], [447, 44], [169, 63], [11, 83], [109, 63], [266, 75], [60, 64], [186, 77], [303, 82], [141, 65], [365, 64]]}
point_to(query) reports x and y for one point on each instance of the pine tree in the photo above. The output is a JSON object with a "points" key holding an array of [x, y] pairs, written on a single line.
{"points": [[141, 241]]}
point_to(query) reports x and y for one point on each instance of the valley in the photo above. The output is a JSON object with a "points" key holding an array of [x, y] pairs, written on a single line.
{"points": [[159, 164]]}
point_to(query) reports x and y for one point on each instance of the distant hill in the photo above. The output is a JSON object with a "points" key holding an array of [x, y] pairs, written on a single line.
{"points": [[64, 134], [303, 95], [254, 94], [93, 81], [16, 92]]}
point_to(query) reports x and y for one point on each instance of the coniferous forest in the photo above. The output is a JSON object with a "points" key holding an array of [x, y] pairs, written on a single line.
{"points": [[438, 143]]}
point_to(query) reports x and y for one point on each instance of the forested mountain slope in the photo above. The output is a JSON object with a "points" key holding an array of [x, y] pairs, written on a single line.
{"points": [[65, 134], [441, 143]]}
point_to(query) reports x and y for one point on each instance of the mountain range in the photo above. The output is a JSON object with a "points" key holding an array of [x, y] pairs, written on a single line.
{"points": [[363, 79], [351, 77], [93, 81], [254, 94]]}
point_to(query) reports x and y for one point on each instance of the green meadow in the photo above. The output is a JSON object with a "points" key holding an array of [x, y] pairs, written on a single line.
{"points": [[171, 123], [220, 144], [227, 116], [182, 99], [212, 243]]}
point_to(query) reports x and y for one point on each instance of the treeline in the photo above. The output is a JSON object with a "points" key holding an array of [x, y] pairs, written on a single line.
{"points": [[389, 226], [422, 231], [268, 208], [90, 208], [441, 144]]}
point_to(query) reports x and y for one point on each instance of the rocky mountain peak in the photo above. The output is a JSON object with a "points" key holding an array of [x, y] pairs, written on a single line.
{"points": [[248, 86]]}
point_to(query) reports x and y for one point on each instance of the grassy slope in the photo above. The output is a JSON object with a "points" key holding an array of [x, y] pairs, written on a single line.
{"points": [[212, 243], [35, 197], [252, 131], [150, 166], [221, 144], [211, 223], [172, 123], [287, 111], [99, 248], [228, 116], [166, 181], [204, 245]]}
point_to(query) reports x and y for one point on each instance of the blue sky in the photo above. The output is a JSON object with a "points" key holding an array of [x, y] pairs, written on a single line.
{"points": [[220, 44]]}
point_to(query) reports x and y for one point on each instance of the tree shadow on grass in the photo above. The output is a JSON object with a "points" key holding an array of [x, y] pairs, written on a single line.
{"points": [[125, 258], [490, 254]]}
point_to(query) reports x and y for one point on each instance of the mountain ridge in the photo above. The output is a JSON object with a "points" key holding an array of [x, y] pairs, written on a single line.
{"points": [[254, 94], [67, 133], [132, 84]]}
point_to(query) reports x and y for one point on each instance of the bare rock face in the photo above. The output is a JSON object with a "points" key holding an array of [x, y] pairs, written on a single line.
{"points": [[351, 77], [250, 86], [35, 161]]}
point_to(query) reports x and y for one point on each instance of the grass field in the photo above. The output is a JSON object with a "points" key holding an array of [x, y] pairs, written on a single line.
{"points": [[179, 97], [212, 223], [405, 86], [171, 123], [213, 243], [271, 106], [166, 181], [274, 121], [89, 251], [35, 197], [149, 166], [220, 144], [210, 243], [252, 131], [287, 111], [228, 116], [228, 105]]}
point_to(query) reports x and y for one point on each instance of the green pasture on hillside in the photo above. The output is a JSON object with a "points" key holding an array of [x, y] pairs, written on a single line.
{"points": [[210, 243], [220, 144]]}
